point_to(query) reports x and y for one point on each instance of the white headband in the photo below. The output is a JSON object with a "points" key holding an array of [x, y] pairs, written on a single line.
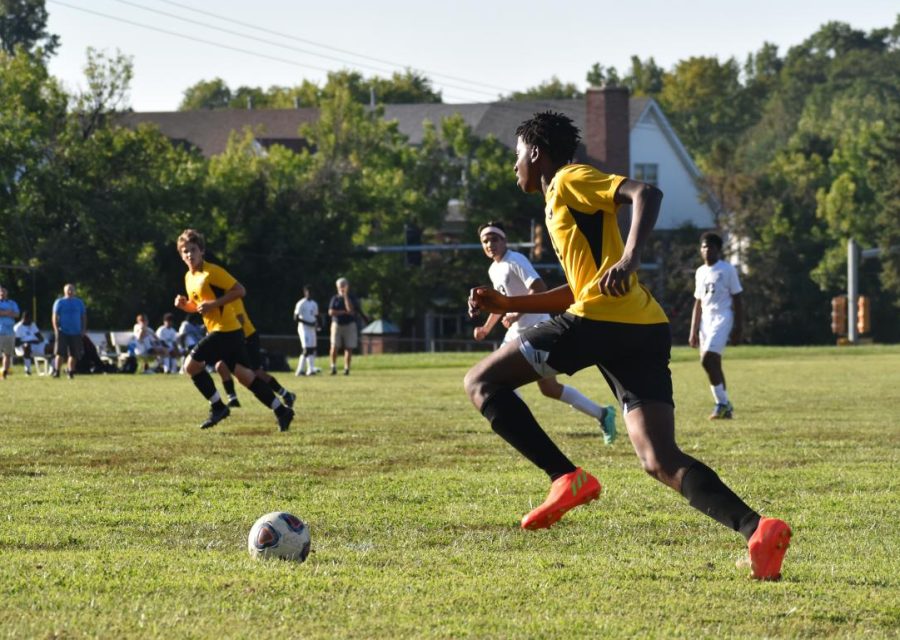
{"points": [[496, 230]]}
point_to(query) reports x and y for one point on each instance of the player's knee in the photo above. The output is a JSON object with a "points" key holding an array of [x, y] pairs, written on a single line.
{"points": [[475, 386]]}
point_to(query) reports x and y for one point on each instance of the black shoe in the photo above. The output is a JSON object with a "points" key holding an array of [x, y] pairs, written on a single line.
{"points": [[70, 375], [333, 372], [289, 398], [346, 372], [234, 402], [285, 418], [215, 417], [54, 373]]}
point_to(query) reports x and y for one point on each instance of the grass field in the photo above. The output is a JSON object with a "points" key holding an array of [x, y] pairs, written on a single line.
{"points": [[122, 519]]}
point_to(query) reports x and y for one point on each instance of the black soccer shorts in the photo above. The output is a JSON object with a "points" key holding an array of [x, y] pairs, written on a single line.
{"points": [[634, 358]]}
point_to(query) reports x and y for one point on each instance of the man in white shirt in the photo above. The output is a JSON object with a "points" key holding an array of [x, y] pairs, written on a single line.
{"points": [[512, 274], [168, 337], [718, 316], [30, 340], [306, 313]]}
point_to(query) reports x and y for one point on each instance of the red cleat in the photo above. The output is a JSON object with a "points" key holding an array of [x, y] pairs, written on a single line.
{"points": [[767, 545], [566, 492]]}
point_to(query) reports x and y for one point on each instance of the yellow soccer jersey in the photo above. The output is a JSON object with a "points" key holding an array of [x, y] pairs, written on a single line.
{"points": [[581, 221], [243, 318], [210, 282]]}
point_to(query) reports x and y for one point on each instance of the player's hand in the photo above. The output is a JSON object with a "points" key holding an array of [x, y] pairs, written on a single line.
{"points": [[615, 282], [485, 299], [694, 341], [206, 306], [180, 300], [480, 333], [510, 319]]}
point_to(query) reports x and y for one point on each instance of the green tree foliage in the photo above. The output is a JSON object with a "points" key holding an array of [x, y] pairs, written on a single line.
{"points": [[552, 89], [23, 23], [206, 94]]}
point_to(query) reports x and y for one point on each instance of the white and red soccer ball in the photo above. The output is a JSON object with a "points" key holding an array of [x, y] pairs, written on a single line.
{"points": [[279, 535]]}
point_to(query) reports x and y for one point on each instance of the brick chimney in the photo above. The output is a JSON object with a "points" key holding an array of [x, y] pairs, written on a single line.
{"points": [[606, 129]]}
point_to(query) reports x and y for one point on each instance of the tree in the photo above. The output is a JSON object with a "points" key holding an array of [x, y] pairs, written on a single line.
{"points": [[23, 23], [206, 94], [552, 89]]}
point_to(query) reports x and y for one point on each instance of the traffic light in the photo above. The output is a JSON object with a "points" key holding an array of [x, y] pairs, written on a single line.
{"points": [[863, 315], [537, 240], [839, 315], [413, 236]]}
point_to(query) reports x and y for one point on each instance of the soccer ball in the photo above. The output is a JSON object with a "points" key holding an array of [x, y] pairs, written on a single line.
{"points": [[279, 535]]}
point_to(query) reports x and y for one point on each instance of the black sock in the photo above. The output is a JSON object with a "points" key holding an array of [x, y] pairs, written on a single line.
{"points": [[275, 386], [511, 419], [204, 383], [229, 386], [262, 392], [706, 492]]}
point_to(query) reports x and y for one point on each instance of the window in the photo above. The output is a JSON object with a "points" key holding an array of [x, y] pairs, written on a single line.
{"points": [[648, 173]]}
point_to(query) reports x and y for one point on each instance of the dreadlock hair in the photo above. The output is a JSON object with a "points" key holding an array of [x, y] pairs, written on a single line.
{"points": [[552, 132]]}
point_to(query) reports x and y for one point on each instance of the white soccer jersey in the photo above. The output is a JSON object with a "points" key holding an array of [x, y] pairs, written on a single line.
{"points": [[307, 311], [512, 276], [27, 332], [167, 335], [715, 285]]}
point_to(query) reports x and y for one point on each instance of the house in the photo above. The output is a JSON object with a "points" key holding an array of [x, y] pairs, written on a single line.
{"points": [[620, 135]]}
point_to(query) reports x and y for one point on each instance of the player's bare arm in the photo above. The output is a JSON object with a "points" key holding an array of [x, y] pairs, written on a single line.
{"points": [[694, 336], [538, 286], [482, 332], [645, 200], [488, 299]]}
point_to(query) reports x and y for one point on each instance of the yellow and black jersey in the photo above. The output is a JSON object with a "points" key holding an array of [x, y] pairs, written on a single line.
{"points": [[242, 317], [209, 283], [581, 221]]}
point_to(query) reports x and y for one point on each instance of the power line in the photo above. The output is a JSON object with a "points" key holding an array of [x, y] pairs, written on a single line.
{"points": [[329, 47], [276, 44], [210, 42]]}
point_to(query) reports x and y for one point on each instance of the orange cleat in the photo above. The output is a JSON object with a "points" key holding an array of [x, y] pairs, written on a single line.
{"points": [[566, 492], [767, 545]]}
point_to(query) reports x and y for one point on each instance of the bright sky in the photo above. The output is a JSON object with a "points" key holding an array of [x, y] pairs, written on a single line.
{"points": [[472, 50]]}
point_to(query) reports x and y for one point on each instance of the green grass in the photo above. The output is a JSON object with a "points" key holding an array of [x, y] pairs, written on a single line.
{"points": [[120, 518]]}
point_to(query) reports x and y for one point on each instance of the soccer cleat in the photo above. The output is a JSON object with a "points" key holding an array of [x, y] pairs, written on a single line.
{"points": [[722, 412], [346, 372], [285, 418], [767, 546], [333, 371], [54, 373], [215, 417], [608, 424], [289, 398], [567, 492], [234, 402], [70, 375]]}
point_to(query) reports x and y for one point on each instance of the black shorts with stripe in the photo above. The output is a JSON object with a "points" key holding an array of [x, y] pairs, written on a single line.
{"points": [[227, 346], [634, 358]]}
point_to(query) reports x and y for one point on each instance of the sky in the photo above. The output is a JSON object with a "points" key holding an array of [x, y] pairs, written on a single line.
{"points": [[472, 50]]}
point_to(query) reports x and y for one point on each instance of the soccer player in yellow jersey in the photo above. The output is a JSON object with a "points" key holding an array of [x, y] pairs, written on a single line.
{"points": [[254, 357], [210, 290], [608, 320]]}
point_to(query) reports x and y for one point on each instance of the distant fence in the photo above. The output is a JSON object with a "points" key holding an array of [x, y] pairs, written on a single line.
{"points": [[289, 345]]}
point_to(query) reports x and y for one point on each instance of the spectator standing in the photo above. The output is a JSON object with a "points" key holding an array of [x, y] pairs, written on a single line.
{"points": [[9, 311], [31, 340], [717, 317], [343, 310], [168, 338], [69, 325], [306, 315]]}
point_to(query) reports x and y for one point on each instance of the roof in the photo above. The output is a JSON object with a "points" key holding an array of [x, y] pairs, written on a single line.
{"points": [[209, 130]]}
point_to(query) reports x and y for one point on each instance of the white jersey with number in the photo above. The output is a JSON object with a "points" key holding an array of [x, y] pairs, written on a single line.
{"points": [[307, 311], [512, 276], [715, 286]]}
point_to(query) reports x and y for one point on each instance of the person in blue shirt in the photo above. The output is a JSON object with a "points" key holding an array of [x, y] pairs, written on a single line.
{"points": [[9, 311], [69, 326]]}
